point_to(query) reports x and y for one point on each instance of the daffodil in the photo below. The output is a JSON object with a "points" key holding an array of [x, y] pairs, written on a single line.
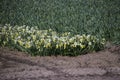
{"points": [[74, 44], [65, 45], [42, 40], [27, 45], [34, 37], [57, 46], [90, 43], [48, 45], [61, 44], [82, 46], [81, 40], [20, 42]]}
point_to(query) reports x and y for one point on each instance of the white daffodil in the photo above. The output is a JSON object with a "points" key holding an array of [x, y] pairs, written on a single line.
{"points": [[50, 30], [75, 44], [81, 40], [34, 37], [19, 37], [29, 38], [88, 36], [90, 43]]}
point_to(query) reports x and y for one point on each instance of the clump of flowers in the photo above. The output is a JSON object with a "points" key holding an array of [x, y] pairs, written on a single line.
{"points": [[48, 42]]}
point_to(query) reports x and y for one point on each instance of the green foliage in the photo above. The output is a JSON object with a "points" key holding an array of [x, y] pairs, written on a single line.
{"points": [[95, 17], [48, 42]]}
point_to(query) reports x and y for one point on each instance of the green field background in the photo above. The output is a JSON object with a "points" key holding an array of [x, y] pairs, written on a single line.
{"points": [[97, 17]]}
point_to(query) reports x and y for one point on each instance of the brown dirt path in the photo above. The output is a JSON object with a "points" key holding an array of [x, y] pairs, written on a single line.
{"points": [[103, 65]]}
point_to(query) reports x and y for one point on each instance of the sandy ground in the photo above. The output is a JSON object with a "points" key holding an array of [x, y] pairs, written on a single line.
{"points": [[102, 65]]}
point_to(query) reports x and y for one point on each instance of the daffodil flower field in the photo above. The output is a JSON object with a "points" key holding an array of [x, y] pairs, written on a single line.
{"points": [[48, 42]]}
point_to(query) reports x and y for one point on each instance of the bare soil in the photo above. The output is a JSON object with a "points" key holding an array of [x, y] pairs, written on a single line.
{"points": [[102, 65]]}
